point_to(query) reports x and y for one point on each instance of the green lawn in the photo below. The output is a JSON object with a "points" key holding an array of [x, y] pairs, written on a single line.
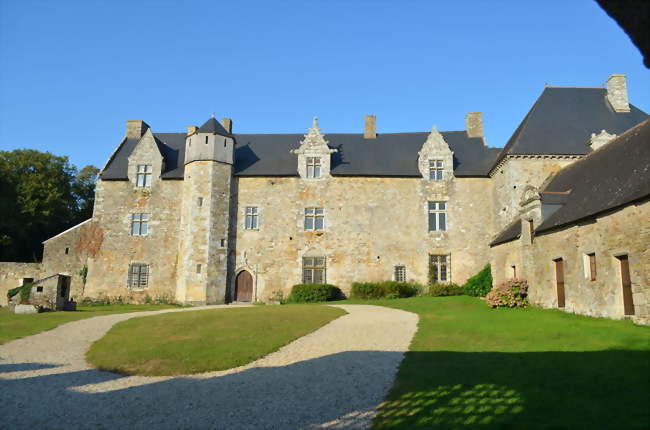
{"points": [[14, 326], [470, 366], [202, 341]]}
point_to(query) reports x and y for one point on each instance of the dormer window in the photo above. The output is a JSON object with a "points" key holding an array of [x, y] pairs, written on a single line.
{"points": [[435, 170], [313, 167], [143, 178]]}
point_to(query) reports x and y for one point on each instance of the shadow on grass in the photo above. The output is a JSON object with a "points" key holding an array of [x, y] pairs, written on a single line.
{"points": [[596, 389], [601, 389]]}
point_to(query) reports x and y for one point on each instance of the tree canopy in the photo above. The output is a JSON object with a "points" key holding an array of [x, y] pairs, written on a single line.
{"points": [[41, 195]]}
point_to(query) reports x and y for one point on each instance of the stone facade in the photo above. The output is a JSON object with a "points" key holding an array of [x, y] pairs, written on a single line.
{"points": [[609, 237], [12, 275]]}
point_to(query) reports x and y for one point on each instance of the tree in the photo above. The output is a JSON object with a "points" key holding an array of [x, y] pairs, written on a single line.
{"points": [[41, 195]]}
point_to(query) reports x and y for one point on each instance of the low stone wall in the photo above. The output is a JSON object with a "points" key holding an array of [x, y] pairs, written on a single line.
{"points": [[12, 275]]}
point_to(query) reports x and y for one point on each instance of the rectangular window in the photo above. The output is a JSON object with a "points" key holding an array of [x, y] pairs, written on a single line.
{"points": [[198, 268], [437, 216], [138, 276], [199, 201], [139, 224], [313, 270], [592, 266], [251, 218], [400, 273], [314, 219], [439, 268], [435, 170], [313, 167], [143, 178]]}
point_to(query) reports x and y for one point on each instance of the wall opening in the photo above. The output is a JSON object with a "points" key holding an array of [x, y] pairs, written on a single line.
{"points": [[626, 283]]}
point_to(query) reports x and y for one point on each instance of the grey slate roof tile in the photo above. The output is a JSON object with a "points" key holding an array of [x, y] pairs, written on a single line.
{"points": [[508, 234], [615, 175]]}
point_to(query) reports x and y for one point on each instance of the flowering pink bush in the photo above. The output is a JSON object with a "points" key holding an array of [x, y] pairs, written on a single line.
{"points": [[512, 293]]}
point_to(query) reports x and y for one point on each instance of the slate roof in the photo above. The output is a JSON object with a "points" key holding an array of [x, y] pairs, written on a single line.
{"points": [[390, 154], [510, 233], [616, 174], [213, 126], [562, 119]]}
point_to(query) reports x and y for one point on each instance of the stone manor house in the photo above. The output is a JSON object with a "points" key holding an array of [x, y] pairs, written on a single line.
{"points": [[212, 216]]}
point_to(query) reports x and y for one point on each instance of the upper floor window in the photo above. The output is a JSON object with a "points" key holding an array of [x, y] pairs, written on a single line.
{"points": [[251, 218], [400, 273], [138, 276], [314, 219], [439, 268], [437, 216], [143, 178], [313, 167], [435, 170], [139, 224], [313, 270], [590, 266]]}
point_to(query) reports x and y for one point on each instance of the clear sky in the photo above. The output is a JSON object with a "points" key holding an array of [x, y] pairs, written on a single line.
{"points": [[72, 72]]}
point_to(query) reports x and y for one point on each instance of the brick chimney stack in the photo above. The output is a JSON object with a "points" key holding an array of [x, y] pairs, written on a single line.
{"points": [[136, 128], [474, 124], [370, 131], [617, 93]]}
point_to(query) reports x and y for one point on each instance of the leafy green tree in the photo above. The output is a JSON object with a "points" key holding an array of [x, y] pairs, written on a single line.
{"points": [[41, 195]]}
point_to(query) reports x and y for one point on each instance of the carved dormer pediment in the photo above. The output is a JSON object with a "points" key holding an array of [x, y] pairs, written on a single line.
{"points": [[600, 139], [146, 153], [435, 150], [314, 156]]}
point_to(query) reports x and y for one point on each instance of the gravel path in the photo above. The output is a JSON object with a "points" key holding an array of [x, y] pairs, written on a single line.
{"points": [[332, 378]]}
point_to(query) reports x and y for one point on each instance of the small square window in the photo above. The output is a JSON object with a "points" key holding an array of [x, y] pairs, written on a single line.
{"points": [[138, 276], [313, 270], [314, 219], [39, 289]]}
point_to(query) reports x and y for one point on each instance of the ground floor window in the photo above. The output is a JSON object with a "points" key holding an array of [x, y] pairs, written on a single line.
{"points": [[400, 273], [138, 276], [439, 268], [313, 270]]}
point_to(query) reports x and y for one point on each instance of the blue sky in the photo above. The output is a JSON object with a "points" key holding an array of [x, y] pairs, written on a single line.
{"points": [[72, 72]]}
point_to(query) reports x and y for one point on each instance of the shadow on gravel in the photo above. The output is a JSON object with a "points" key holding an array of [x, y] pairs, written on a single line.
{"points": [[484, 390], [306, 394], [20, 367]]}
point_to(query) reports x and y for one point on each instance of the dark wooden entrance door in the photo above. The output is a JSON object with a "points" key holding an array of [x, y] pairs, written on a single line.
{"points": [[243, 287], [559, 279], [628, 303]]}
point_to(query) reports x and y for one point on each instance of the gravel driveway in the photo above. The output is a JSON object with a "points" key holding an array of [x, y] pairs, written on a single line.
{"points": [[332, 378]]}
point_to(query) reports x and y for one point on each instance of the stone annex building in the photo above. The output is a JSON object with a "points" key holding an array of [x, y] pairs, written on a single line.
{"points": [[212, 216]]}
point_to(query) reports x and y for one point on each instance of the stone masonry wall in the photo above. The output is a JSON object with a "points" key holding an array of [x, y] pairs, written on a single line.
{"points": [[512, 177], [621, 232], [371, 225], [12, 274]]}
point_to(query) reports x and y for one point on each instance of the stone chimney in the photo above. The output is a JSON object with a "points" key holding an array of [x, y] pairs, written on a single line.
{"points": [[191, 129], [474, 124], [136, 128], [370, 131], [227, 124], [617, 93]]}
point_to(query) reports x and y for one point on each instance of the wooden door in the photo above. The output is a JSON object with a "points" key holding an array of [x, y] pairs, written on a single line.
{"points": [[243, 287], [628, 302], [559, 279]]}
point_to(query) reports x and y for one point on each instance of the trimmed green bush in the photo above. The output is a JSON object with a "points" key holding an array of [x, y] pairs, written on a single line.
{"points": [[451, 289], [306, 293], [385, 289], [480, 284]]}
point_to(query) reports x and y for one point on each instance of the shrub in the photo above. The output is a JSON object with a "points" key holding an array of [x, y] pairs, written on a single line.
{"points": [[511, 293], [306, 293], [25, 292], [387, 289], [480, 284], [450, 289], [12, 292]]}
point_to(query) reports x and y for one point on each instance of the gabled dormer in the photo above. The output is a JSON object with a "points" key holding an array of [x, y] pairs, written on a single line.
{"points": [[210, 142], [436, 159], [314, 156], [146, 162]]}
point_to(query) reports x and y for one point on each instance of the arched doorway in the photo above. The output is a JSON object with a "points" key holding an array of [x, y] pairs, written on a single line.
{"points": [[243, 287]]}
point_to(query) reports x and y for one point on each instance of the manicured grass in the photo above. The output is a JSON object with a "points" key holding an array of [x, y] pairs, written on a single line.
{"points": [[470, 366], [203, 341], [14, 326]]}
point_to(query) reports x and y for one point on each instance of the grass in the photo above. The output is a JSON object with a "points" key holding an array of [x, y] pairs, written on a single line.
{"points": [[13, 326], [203, 341], [470, 366]]}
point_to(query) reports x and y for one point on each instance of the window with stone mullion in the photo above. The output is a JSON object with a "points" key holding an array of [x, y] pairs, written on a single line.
{"points": [[313, 270], [251, 218], [143, 177], [313, 167], [435, 170], [437, 216], [138, 276], [314, 219], [440, 265], [139, 224]]}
